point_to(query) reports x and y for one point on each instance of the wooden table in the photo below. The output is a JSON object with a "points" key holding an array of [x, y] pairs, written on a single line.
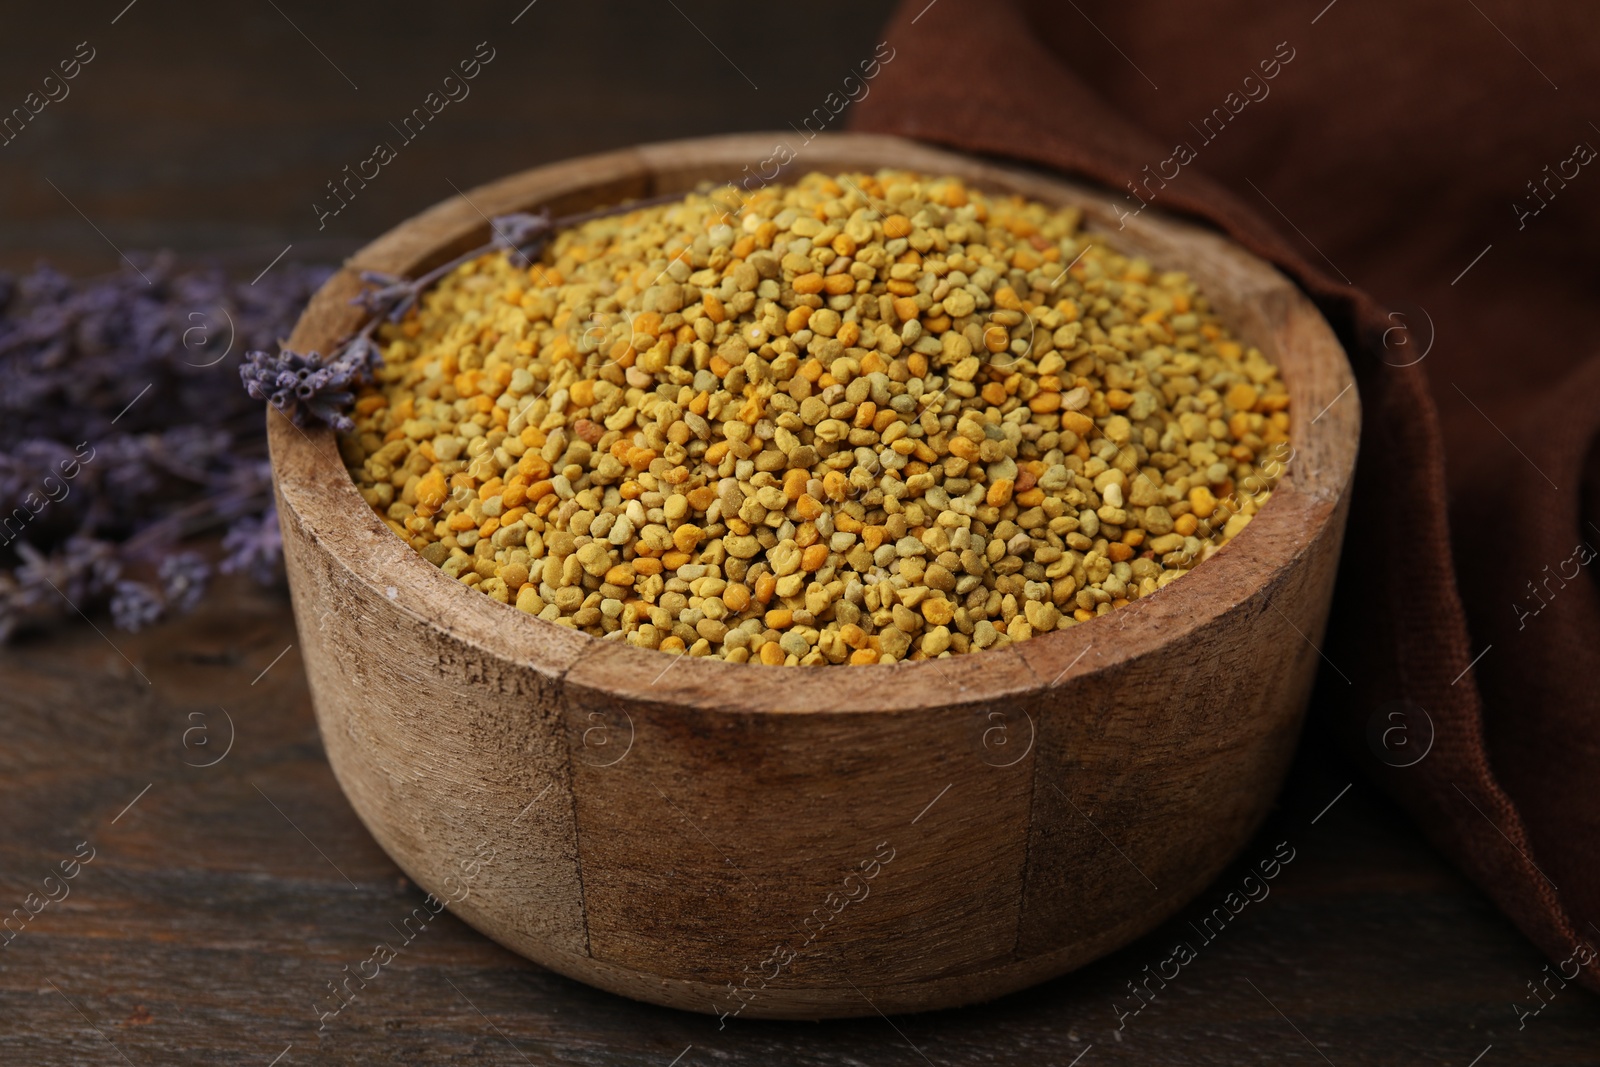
{"points": [[221, 900]]}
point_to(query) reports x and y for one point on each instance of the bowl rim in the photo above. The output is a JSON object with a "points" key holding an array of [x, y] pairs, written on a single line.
{"points": [[315, 490]]}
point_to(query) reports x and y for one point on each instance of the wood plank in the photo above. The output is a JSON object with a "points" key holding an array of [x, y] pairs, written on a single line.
{"points": [[207, 927]]}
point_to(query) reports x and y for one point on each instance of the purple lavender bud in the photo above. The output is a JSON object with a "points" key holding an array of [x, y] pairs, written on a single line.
{"points": [[183, 580], [126, 472], [391, 292], [92, 567], [520, 228], [254, 546], [307, 388], [360, 359], [523, 232], [112, 389], [329, 408], [45, 284], [134, 605]]}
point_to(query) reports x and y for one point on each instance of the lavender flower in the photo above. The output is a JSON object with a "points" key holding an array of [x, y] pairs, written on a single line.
{"points": [[125, 384], [190, 452], [241, 488], [25, 467], [80, 571], [134, 605], [390, 294], [523, 232], [127, 473], [308, 388], [254, 546], [44, 587], [183, 580], [120, 377]]}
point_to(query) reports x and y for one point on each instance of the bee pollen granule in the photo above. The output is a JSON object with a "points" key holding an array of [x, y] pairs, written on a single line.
{"points": [[854, 419]]}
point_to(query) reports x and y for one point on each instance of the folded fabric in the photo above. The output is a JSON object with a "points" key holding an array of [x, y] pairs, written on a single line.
{"points": [[1423, 171]]}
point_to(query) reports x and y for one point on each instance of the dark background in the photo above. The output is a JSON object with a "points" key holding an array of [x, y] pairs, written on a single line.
{"points": [[211, 129], [219, 904]]}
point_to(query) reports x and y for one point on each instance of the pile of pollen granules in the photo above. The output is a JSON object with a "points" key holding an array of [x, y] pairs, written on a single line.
{"points": [[854, 419]]}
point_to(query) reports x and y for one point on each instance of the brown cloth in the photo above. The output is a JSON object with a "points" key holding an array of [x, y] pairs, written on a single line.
{"points": [[1431, 157]]}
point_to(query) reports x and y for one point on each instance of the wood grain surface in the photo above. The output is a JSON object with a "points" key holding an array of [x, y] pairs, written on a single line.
{"points": [[1155, 736], [212, 129], [220, 905]]}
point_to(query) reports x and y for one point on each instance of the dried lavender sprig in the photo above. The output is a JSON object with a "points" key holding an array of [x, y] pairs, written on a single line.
{"points": [[310, 389], [184, 576], [121, 434], [254, 546], [135, 605], [112, 380], [523, 232], [43, 587]]}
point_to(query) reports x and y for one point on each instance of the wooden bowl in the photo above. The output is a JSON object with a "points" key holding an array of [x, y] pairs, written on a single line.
{"points": [[810, 842]]}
